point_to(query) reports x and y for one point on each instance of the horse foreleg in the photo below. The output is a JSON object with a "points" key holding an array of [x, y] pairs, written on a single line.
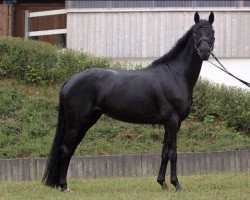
{"points": [[173, 127], [173, 173], [164, 163]]}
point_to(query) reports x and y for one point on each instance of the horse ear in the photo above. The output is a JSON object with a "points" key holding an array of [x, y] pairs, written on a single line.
{"points": [[211, 18], [196, 17]]}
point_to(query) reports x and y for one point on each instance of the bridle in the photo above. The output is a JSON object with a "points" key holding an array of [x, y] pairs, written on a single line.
{"points": [[197, 44], [210, 43]]}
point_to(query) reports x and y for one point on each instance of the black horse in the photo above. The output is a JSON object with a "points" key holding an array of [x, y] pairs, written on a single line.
{"points": [[158, 94]]}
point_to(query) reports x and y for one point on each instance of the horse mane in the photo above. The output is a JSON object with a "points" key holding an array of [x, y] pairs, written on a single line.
{"points": [[179, 45]]}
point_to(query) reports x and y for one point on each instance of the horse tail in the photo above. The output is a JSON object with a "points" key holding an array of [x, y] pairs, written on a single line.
{"points": [[52, 171]]}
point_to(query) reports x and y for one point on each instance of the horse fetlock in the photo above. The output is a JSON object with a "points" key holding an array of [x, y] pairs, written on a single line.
{"points": [[176, 185], [174, 181], [160, 180], [162, 183]]}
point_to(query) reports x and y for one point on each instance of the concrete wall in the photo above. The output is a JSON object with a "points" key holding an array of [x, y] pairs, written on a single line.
{"points": [[128, 165]]}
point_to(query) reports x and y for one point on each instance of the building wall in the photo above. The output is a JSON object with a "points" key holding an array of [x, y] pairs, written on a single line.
{"points": [[143, 32]]}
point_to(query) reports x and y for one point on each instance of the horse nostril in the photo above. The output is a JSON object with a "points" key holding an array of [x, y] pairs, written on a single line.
{"points": [[207, 51], [203, 53], [204, 56]]}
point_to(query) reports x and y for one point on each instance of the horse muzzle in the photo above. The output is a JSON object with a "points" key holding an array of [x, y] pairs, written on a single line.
{"points": [[204, 56], [204, 50]]}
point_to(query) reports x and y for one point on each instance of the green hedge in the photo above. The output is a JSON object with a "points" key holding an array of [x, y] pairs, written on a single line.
{"points": [[39, 63], [222, 104]]}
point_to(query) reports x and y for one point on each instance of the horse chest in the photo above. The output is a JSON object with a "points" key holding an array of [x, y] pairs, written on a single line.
{"points": [[178, 104], [183, 107]]}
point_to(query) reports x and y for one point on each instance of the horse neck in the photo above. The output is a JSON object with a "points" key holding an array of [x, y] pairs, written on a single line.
{"points": [[186, 65]]}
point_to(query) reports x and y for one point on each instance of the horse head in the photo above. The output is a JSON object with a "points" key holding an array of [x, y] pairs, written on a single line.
{"points": [[203, 35]]}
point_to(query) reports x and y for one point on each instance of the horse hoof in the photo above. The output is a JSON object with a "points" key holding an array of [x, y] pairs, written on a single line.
{"points": [[178, 188], [66, 190], [164, 186]]}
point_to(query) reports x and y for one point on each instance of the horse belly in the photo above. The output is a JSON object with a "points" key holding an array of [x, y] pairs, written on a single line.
{"points": [[135, 118], [133, 112]]}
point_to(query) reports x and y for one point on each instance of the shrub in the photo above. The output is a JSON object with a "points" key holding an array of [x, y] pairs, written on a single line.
{"points": [[222, 103], [39, 63], [203, 136]]}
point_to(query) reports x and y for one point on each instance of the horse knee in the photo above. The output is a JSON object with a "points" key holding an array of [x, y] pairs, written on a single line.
{"points": [[165, 157], [173, 156]]}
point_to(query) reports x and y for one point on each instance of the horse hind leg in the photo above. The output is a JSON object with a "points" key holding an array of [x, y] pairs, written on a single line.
{"points": [[75, 132]]}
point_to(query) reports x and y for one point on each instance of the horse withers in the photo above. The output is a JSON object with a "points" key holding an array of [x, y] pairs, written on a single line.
{"points": [[158, 94]]}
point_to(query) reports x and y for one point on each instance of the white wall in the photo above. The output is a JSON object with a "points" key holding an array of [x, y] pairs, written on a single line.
{"points": [[142, 33], [240, 67]]}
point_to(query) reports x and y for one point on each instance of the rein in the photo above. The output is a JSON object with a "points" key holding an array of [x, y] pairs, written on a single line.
{"points": [[225, 70]]}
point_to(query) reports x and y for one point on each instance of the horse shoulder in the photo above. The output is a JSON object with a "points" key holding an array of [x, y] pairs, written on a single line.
{"points": [[175, 98]]}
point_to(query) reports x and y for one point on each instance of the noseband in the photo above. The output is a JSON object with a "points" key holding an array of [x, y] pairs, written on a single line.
{"points": [[197, 44]]}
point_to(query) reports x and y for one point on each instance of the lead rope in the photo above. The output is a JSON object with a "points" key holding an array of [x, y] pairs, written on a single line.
{"points": [[225, 70]]}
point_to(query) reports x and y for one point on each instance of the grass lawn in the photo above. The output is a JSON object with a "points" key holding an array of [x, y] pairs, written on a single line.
{"points": [[233, 186]]}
